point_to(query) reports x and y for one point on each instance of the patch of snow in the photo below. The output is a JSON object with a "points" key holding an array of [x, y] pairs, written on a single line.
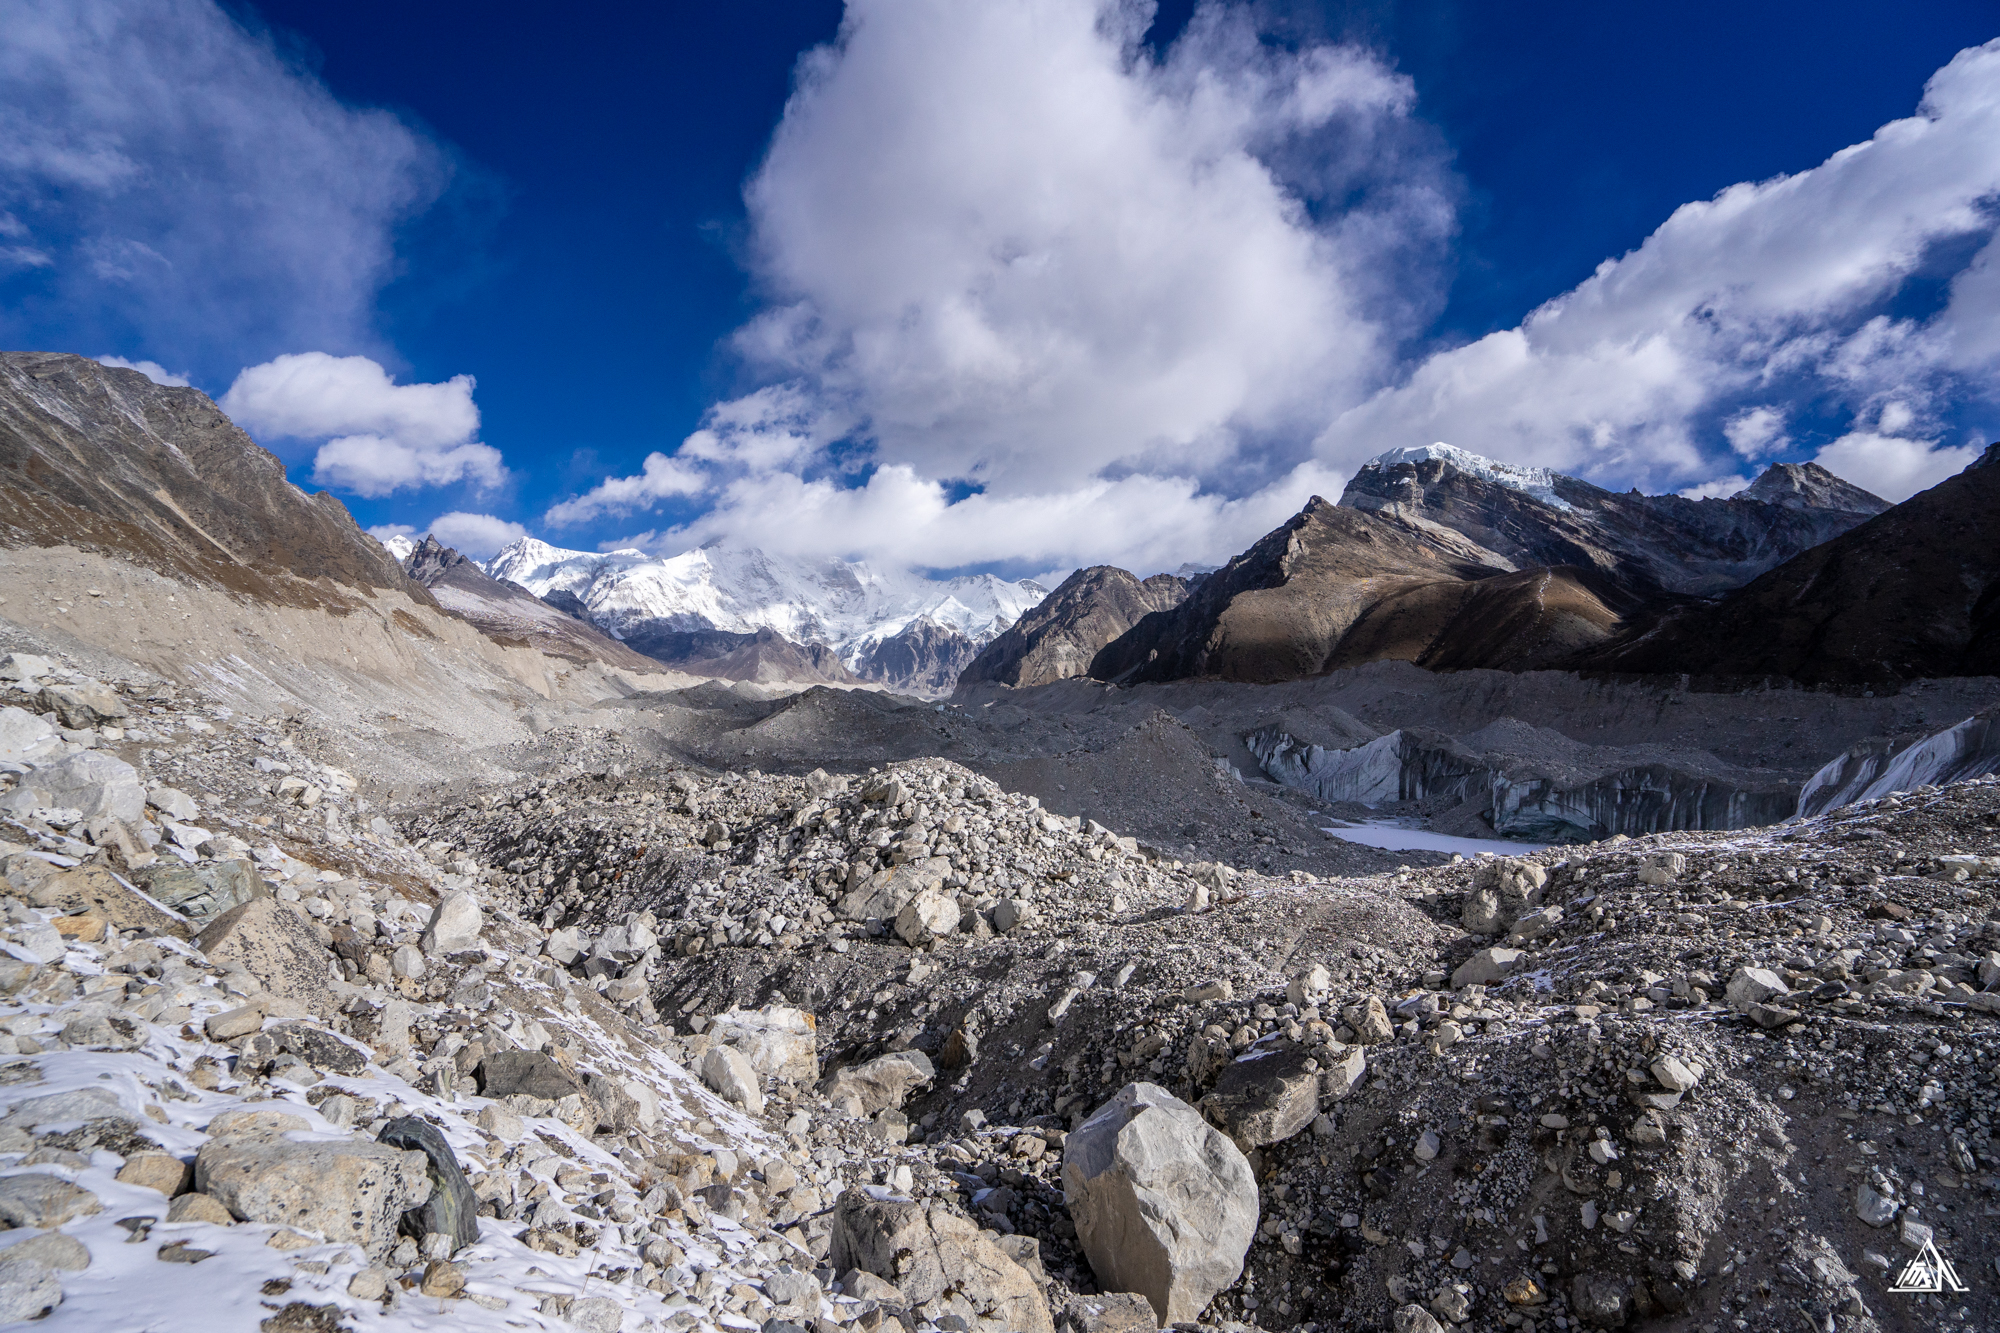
{"points": [[398, 546], [1395, 836], [1538, 482]]}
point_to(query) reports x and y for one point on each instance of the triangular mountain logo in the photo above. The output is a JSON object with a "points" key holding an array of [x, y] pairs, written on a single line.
{"points": [[1928, 1272]]}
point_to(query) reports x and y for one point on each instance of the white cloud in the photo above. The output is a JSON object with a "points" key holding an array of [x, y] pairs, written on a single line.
{"points": [[476, 535], [1756, 432], [1891, 466], [387, 436], [152, 370], [1719, 489], [190, 188], [1771, 287], [659, 478], [1024, 253]]}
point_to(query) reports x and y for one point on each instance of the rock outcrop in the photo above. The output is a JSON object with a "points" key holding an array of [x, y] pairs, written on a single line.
{"points": [[1061, 637], [937, 1261]]}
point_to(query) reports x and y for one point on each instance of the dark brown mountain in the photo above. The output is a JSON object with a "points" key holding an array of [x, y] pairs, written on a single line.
{"points": [[1280, 610], [766, 656], [105, 460], [1060, 637], [1533, 518], [510, 614], [1914, 592]]}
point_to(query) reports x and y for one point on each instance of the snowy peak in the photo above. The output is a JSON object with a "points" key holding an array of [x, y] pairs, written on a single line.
{"points": [[398, 546], [850, 606], [1539, 482]]}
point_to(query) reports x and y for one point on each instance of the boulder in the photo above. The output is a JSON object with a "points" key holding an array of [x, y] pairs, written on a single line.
{"points": [[933, 1254], [276, 946], [202, 892], [885, 893], [933, 913], [1263, 1097], [1164, 1204], [779, 1041], [51, 1249], [67, 1108], [25, 738], [84, 703], [157, 1171], [524, 1073], [883, 1083], [1753, 985], [92, 890], [1111, 1312], [1370, 1021], [729, 1072], [1486, 967], [36, 1199], [1502, 891], [350, 1192], [93, 783], [1601, 1299], [29, 1289], [452, 1209], [174, 804], [624, 1103], [321, 1049], [24, 666], [455, 924], [1341, 1070], [199, 1208]]}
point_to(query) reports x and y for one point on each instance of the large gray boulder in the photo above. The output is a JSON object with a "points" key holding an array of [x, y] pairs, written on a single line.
{"points": [[25, 738], [84, 703], [1502, 892], [350, 1192], [881, 1084], [886, 893], [277, 947], [93, 782], [202, 892], [29, 1289], [933, 1255], [1164, 1204], [454, 925], [37, 1199]]}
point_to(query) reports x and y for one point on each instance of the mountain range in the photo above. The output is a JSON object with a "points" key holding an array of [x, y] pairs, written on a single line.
{"points": [[738, 612]]}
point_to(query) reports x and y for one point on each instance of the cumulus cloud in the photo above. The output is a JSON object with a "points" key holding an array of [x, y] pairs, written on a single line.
{"points": [[170, 180], [476, 535], [1006, 249], [386, 436], [1772, 288], [1892, 466], [1023, 252], [152, 370]]}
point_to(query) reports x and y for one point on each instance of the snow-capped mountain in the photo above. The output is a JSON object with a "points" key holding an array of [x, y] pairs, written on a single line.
{"points": [[398, 546], [852, 607]]}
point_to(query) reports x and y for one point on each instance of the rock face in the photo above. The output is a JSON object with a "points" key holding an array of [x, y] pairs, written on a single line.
{"points": [[103, 459], [351, 1191], [1063, 635], [1164, 1204], [1907, 594], [762, 655], [924, 657], [276, 946], [934, 1255]]}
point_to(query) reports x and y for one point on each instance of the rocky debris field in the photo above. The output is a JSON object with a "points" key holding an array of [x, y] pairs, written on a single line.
{"points": [[629, 1043]]}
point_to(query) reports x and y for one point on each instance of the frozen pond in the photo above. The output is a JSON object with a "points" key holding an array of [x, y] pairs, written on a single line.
{"points": [[1393, 836]]}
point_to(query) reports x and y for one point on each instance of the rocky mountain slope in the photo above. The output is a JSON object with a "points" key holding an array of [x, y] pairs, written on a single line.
{"points": [[1914, 592], [1535, 518], [902, 630], [1062, 635], [508, 613], [765, 656], [1439, 557]]}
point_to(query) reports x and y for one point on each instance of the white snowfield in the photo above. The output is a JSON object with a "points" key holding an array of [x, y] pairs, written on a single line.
{"points": [[846, 604]]}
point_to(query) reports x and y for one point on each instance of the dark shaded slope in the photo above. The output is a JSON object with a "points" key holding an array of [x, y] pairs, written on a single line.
{"points": [[510, 614], [1279, 610], [766, 656], [1510, 622], [1912, 593], [103, 459], [1059, 637], [924, 656]]}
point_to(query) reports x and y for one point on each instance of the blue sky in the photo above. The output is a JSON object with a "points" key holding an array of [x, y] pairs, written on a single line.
{"points": [[1021, 285]]}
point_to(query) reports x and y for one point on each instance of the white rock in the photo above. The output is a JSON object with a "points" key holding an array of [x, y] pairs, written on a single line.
{"points": [[1164, 1204], [25, 738], [1673, 1075], [27, 1289], [455, 924], [779, 1041], [729, 1072], [407, 961], [95, 784], [1753, 985], [173, 804], [933, 913]]}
